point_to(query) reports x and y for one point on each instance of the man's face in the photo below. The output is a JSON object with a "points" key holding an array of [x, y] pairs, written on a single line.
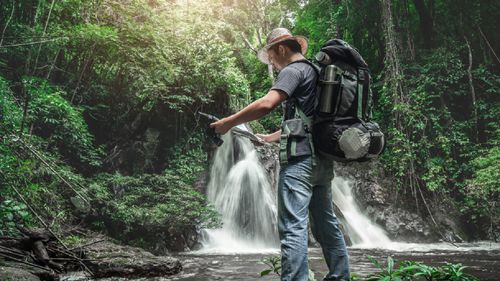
{"points": [[277, 57]]}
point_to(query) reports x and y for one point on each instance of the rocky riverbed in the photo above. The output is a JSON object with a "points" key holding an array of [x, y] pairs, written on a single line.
{"points": [[482, 260]]}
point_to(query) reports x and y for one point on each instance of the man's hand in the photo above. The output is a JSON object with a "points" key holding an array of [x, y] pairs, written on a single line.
{"points": [[270, 137], [265, 138], [222, 126]]}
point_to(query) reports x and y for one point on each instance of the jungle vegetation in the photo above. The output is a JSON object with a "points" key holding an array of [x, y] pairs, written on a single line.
{"points": [[98, 98]]}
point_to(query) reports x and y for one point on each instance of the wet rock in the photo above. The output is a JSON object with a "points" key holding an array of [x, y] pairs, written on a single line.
{"points": [[268, 156], [16, 274], [401, 225], [11, 270], [398, 214], [137, 155], [107, 259]]}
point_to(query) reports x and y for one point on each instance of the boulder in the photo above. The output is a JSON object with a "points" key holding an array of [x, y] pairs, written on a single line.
{"points": [[268, 156], [107, 259]]}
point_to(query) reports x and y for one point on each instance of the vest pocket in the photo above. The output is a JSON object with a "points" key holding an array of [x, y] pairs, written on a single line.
{"points": [[294, 128], [294, 139]]}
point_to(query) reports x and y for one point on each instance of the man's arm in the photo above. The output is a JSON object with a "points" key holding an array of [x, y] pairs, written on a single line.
{"points": [[253, 111]]}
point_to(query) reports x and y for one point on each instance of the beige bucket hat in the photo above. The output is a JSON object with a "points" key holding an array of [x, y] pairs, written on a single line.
{"points": [[276, 36]]}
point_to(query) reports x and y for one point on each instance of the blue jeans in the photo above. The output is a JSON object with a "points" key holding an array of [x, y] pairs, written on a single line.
{"points": [[303, 189]]}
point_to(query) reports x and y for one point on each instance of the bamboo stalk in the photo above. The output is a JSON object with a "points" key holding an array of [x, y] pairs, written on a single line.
{"points": [[44, 32], [488, 43], [8, 21], [32, 43]]}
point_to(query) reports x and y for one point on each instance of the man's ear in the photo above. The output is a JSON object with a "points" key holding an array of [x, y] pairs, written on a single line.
{"points": [[282, 50]]}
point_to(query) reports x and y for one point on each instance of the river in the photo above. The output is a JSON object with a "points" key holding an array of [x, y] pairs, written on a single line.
{"points": [[482, 259]]}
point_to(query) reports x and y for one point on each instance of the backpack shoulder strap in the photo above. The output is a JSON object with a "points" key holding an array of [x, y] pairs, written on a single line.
{"points": [[316, 68]]}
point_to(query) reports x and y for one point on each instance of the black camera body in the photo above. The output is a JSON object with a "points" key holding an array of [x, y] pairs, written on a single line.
{"points": [[212, 135]]}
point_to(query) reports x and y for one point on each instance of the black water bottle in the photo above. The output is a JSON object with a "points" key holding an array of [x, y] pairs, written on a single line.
{"points": [[329, 86]]}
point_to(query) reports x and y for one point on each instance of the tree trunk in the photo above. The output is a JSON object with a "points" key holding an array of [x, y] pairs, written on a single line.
{"points": [[472, 90], [426, 22], [338, 27], [393, 65]]}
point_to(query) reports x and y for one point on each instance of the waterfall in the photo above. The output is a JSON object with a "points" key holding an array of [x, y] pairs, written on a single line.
{"points": [[362, 231], [240, 191]]}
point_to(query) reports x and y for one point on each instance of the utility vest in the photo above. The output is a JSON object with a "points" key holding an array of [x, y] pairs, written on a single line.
{"points": [[296, 128]]}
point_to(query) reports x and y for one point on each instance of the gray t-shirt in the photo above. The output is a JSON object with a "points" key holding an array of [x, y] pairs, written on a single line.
{"points": [[298, 80]]}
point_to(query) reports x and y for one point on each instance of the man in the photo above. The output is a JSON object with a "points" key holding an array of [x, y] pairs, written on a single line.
{"points": [[305, 178]]}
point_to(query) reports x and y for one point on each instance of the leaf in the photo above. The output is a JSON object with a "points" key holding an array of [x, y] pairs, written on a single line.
{"points": [[390, 264], [374, 261], [311, 276], [265, 272]]}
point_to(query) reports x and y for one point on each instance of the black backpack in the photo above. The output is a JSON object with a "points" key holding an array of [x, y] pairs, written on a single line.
{"points": [[342, 125]]}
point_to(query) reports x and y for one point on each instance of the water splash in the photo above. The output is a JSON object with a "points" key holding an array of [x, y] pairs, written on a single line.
{"points": [[240, 190]]}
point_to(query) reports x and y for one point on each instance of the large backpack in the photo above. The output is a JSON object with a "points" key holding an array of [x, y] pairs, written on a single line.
{"points": [[342, 129]]}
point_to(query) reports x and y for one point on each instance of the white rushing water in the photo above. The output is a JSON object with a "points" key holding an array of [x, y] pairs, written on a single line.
{"points": [[362, 231], [239, 189]]}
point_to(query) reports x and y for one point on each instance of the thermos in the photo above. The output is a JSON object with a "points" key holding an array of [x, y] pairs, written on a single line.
{"points": [[328, 84]]}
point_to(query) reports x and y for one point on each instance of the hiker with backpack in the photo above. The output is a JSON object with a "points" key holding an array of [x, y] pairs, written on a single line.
{"points": [[305, 175]]}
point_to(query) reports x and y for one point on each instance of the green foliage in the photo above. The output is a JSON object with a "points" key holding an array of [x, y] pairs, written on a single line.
{"points": [[72, 240], [482, 191], [22, 167], [107, 70], [438, 135], [274, 264], [12, 214], [188, 159], [152, 202], [35, 182], [62, 124], [157, 202], [10, 112], [411, 270]]}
